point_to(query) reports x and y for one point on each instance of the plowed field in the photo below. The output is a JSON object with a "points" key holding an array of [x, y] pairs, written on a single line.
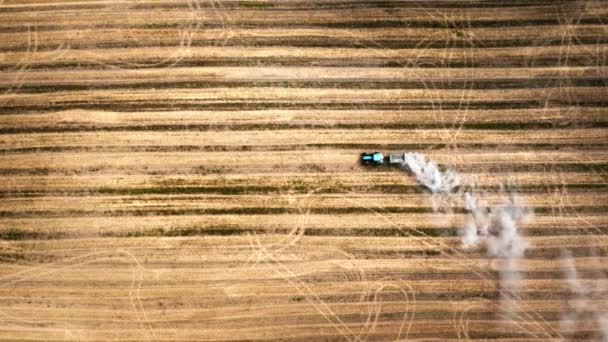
{"points": [[188, 170]]}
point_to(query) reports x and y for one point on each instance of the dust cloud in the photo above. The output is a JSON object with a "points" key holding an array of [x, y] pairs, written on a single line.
{"points": [[490, 227], [583, 306], [494, 228]]}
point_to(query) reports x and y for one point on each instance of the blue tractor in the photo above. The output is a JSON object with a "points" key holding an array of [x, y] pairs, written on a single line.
{"points": [[372, 158]]}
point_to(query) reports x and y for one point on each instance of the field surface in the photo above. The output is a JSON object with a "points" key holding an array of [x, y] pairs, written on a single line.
{"points": [[188, 170]]}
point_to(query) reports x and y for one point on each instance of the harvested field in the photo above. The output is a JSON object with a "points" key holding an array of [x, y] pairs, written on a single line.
{"points": [[188, 170]]}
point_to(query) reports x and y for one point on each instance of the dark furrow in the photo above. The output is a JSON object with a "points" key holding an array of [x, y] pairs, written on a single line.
{"points": [[147, 105], [528, 125], [126, 85], [534, 253], [328, 42], [295, 5], [473, 333], [298, 147], [552, 19], [590, 209], [287, 321], [321, 278], [401, 275], [387, 295], [19, 234], [547, 60], [487, 314], [487, 167], [297, 188]]}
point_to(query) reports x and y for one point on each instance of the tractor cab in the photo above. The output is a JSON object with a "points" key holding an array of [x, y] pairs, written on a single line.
{"points": [[372, 158]]}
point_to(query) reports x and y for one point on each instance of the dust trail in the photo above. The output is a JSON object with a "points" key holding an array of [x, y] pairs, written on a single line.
{"points": [[494, 228], [441, 183], [584, 306], [428, 174]]}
